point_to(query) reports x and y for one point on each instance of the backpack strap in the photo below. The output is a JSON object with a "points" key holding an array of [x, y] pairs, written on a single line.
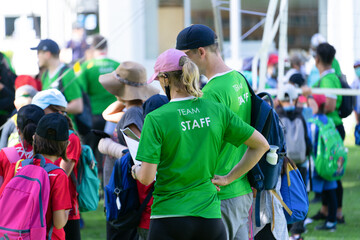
{"points": [[61, 72], [51, 231], [11, 154], [50, 167], [287, 209], [6, 237], [146, 200], [264, 110], [17, 165]]}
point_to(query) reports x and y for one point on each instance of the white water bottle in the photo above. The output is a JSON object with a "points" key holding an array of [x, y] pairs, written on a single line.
{"points": [[272, 157]]}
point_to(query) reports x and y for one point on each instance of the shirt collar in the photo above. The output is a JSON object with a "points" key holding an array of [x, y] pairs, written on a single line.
{"points": [[52, 74], [220, 74], [182, 99], [326, 72]]}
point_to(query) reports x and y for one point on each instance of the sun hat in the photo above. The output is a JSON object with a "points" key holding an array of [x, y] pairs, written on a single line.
{"points": [[195, 36], [49, 97], [166, 62], [128, 82], [53, 126], [28, 114]]}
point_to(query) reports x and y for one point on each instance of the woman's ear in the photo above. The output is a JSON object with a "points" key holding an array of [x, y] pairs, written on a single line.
{"points": [[166, 79]]}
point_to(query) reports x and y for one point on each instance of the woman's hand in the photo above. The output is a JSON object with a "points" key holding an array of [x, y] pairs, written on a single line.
{"points": [[220, 181]]}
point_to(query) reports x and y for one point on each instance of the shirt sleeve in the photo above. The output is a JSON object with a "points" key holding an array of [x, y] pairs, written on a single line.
{"points": [[150, 142], [237, 131], [327, 82], [71, 86], [60, 191], [73, 151], [134, 116]]}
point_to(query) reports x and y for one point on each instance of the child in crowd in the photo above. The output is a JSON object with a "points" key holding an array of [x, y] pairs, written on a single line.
{"points": [[50, 140], [297, 141], [320, 185], [53, 101], [25, 90], [27, 120], [128, 84]]}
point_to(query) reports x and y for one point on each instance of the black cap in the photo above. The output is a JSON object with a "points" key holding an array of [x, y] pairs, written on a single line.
{"points": [[153, 103], [195, 36], [53, 126], [47, 45], [29, 114], [297, 79]]}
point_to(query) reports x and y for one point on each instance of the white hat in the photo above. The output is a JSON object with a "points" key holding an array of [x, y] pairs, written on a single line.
{"points": [[288, 93], [49, 97], [316, 40]]}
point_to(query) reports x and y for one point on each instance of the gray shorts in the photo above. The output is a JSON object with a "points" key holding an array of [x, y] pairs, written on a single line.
{"points": [[235, 212]]}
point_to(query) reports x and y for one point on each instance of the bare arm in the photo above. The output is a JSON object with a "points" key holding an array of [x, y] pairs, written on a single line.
{"points": [[75, 106], [60, 218], [145, 172], [258, 145], [114, 112], [313, 105], [330, 105], [67, 166]]}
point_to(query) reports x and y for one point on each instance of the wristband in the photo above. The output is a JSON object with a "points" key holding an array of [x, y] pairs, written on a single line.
{"points": [[134, 171]]}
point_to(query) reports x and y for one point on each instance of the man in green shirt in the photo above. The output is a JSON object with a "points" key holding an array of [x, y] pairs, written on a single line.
{"points": [[58, 75], [100, 99], [228, 87]]}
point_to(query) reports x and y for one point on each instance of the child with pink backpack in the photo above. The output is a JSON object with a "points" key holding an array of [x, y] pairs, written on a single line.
{"points": [[27, 120], [39, 185]]}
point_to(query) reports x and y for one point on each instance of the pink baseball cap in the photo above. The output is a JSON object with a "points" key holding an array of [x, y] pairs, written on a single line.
{"points": [[319, 99], [167, 61]]}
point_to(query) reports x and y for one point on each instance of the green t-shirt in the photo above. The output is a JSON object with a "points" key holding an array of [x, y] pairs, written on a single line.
{"points": [[336, 66], [70, 86], [331, 80], [231, 90], [184, 138], [100, 99]]}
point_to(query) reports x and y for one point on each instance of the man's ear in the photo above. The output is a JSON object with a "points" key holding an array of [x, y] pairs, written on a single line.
{"points": [[202, 52]]}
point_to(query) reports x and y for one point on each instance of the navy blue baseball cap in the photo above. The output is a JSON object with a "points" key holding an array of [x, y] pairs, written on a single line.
{"points": [[47, 45], [195, 36], [53, 126]]}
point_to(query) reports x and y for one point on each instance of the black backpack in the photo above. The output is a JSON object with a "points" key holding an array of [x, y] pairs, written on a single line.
{"points": [[264, 176], [348, 102]]}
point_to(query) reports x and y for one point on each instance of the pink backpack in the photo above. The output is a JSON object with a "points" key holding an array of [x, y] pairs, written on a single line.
{"points": [[24, 202], [13, 156]]}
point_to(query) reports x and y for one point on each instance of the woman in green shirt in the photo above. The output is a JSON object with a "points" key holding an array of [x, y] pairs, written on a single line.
{"points": [[180, 144]]}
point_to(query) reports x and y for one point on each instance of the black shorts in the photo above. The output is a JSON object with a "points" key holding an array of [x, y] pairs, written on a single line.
{"points": [[188, 228]]}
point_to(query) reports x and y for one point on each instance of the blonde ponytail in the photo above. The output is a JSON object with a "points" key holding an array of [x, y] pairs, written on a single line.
{"points": [[190, 77]]}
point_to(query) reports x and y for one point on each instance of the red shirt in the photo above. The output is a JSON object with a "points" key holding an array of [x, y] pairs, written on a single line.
{"points": [[143, 191], [73, 152]]}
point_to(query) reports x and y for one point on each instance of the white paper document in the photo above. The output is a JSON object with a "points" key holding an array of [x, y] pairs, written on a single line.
{"points": [[132, 142]]}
